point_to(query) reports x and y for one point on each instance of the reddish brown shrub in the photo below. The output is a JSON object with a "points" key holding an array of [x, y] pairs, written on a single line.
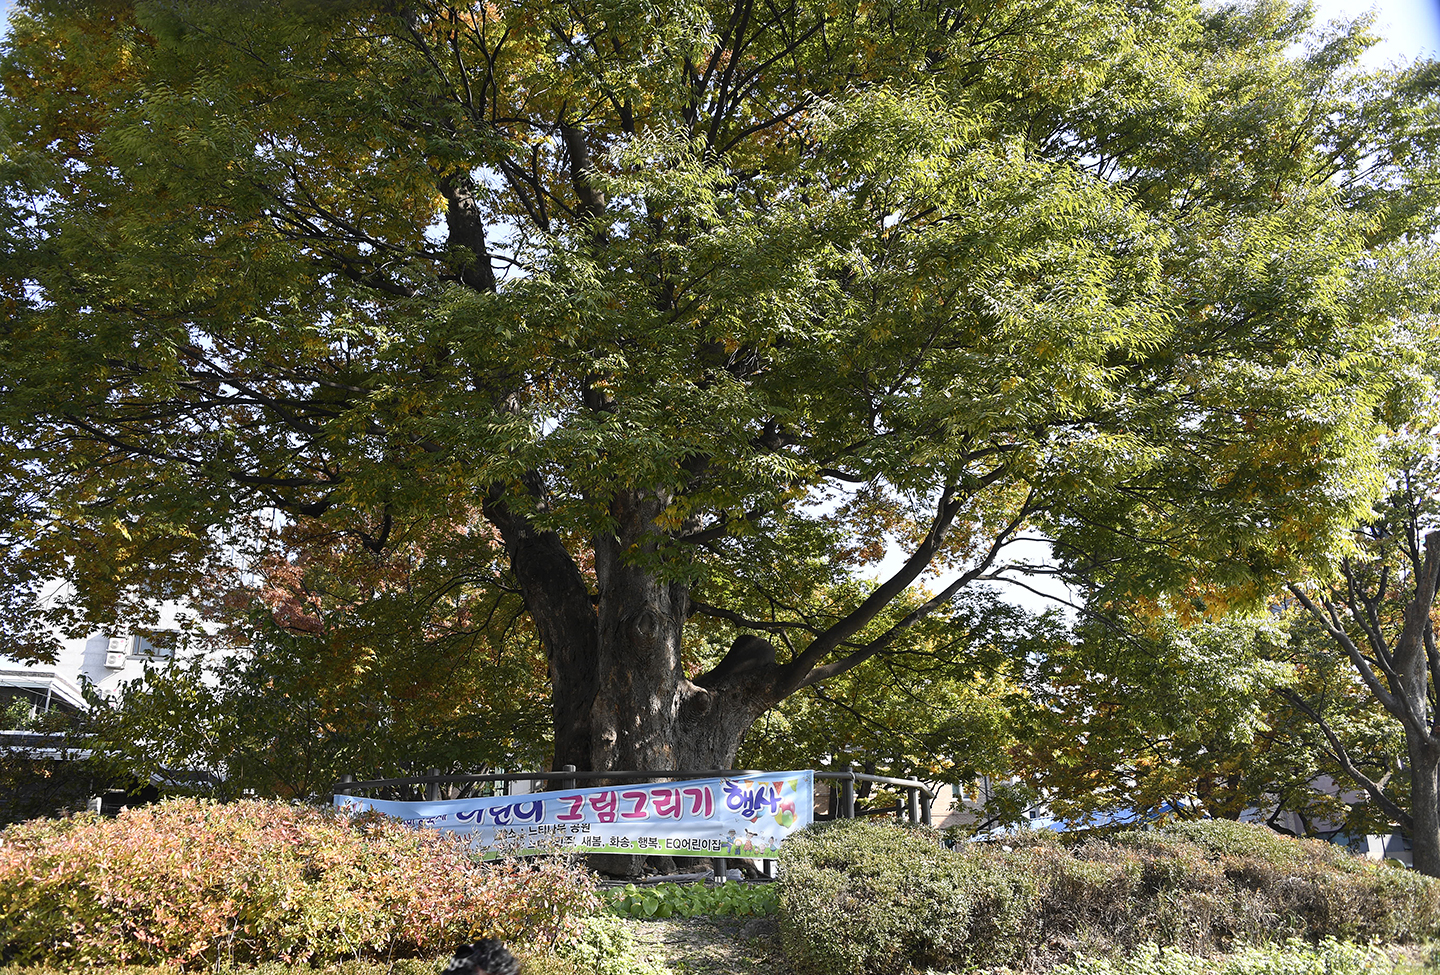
{"points": [[186, 882]]}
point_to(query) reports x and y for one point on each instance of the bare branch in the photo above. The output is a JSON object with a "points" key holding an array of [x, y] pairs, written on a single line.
{"points": [[1329, 620], [715, 612]]}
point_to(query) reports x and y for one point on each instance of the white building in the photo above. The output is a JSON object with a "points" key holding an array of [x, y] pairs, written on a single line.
{"points": [[107, 661]]}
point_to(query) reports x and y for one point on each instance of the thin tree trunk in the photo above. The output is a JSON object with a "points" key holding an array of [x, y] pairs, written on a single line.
{"points": [[1425, 807], [1399, 674]]}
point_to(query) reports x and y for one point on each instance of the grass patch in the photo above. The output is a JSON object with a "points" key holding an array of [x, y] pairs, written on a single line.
{"points": [[693, 900]]}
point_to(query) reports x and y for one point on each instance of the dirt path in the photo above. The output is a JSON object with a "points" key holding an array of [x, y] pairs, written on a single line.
{"points": [[710, 946]]}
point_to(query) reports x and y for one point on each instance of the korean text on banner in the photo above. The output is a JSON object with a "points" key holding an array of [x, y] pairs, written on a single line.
{"points": [[739, 816]]}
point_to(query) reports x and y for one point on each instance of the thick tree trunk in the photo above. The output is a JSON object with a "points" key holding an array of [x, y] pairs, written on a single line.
{"points": [[640, 686], [558, 600], [647, 714], [621, 699], [1425, 807], [742, 687]]}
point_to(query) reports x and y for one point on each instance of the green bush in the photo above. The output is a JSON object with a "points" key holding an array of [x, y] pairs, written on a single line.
{"points": [[398, 966], [188, 882], [860, 897], [866, 897], [1284, 887], [693, 900]]}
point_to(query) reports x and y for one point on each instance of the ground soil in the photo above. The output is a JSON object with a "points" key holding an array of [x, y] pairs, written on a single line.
{"points": [[712, 946]]}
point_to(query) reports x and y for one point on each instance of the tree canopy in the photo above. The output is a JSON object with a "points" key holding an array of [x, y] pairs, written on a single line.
{"points": [[1321, 703], [704, 307], [382, 664]]}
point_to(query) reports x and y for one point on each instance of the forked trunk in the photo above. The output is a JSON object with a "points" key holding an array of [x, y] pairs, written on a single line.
{"points": [[620, 694], [647, 714]]}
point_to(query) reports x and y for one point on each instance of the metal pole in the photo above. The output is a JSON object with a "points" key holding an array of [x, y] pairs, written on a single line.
{"points": [[847, 798], [567, 783], [914, 796], [432, 789], [925, 816]]}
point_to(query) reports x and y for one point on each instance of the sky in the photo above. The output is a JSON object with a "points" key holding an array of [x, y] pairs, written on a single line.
{"points": [[1410, 28]]}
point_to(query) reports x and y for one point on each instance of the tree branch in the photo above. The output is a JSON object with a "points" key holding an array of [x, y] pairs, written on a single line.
{"points": [[864, 653], [1330, 622], [729, 616], [1341, 756]]}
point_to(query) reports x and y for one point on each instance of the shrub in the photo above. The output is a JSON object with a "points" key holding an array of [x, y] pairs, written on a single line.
{"points": [[602, 945], [186, 881], [859, 897], [400, 966], [1285, 887], [865, 897]]}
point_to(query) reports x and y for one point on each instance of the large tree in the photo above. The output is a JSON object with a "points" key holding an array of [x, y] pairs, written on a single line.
{"points": [[1138, 717], [1321, 703], [705, 305]]}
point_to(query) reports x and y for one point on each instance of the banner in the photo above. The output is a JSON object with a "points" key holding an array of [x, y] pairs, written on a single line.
{"points": [[740, 816]]}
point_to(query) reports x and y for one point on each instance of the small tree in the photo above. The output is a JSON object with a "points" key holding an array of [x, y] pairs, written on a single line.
{"points": [[340, 659], [43, 779], [1380, 612]]}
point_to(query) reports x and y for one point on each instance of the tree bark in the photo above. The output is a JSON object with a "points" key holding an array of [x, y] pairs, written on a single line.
{"points": [[640, 684], [1416, 658], [1424, 806]]}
